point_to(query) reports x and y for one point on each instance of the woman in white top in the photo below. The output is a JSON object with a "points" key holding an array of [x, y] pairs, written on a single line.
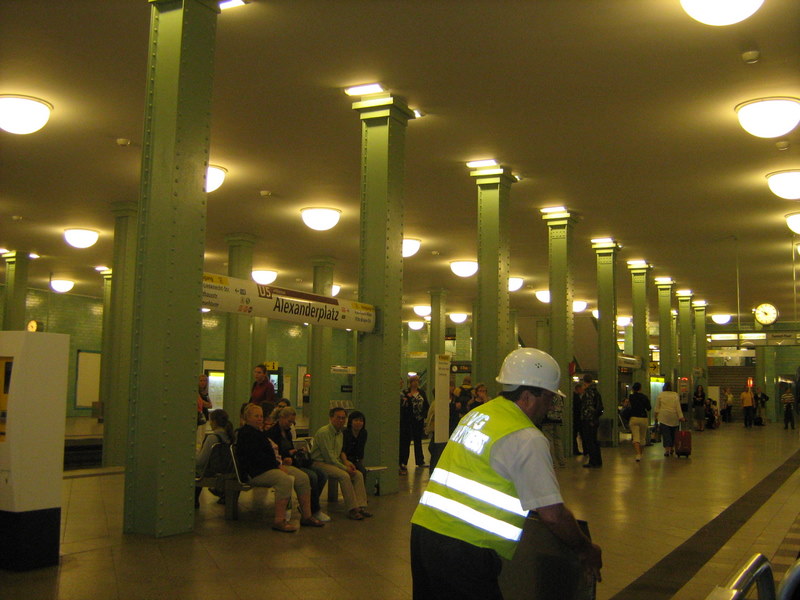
{"points": [[669, 414]]}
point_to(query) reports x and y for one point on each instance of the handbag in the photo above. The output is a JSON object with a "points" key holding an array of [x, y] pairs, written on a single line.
{"points": [[302, 459]]}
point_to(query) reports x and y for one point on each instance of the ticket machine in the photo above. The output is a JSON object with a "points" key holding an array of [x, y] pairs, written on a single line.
{"points": [[33, 402]]}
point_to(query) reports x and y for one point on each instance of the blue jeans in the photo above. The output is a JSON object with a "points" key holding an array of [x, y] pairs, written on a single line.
{"points": [[668, 435]]}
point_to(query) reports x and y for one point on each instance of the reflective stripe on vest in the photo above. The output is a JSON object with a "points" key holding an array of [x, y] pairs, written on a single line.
{"points": [[465, 498]]}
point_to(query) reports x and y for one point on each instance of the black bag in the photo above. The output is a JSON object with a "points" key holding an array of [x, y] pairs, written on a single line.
{"points": [[302, 459], [220, 461]]}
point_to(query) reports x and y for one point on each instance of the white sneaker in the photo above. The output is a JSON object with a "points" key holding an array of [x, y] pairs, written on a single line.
{"points": [[321, 516]]}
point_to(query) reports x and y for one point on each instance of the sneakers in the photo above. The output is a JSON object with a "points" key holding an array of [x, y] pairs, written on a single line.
{"points": [[403, 470], [321, 516]]}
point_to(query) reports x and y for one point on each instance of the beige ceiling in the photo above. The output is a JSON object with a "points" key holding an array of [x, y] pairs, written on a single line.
{"points": [[620, 109]]}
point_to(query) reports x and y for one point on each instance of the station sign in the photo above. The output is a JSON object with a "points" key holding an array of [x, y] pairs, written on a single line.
{"points": [[246, 297]]}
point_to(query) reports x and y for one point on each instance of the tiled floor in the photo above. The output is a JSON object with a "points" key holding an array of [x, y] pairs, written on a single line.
{"points": [[638, 513]]}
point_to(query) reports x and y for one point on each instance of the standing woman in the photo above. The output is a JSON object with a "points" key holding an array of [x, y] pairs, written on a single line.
{"points": [[203, 406], [481, 397], [668, 412], [699, 408], [413, 410], [639, 422]]}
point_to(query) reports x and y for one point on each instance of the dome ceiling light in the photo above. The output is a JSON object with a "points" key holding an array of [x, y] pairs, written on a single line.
{"points": [[542, 295], [458, 317], [422, 310], [61, 285], [793, 221], [785, 184], [22, 115], [721, 319], [720, 12], [335, 289], [81, 238], [320, 219], [464, 268], [416, 325], [769, 117], [579, 305], [215, 177], [411, 246], [515, 283], [264, 277]]}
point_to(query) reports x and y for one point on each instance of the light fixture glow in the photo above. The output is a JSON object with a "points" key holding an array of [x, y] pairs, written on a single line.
{"points": [[793, 221], [479, 164], [335, 289], [33, 256], [552, 209], [205, 309], [515, 283], [637, 263], [579, 305], [683, 293], [226, 4], [264, 277], [100, 268], [769, 117], [458, 317], [422, 310], [721, 319], [411, 246], [416, 325], [215, 177], [596, 313], [464, 268], [61, 285], [605, 240], [364, 90], [664, 280], [5, 250], [720, 12], [785, 184], [321, 219], [23, 114], [623, 321], [81, 238], [542, 295], [699, 303]]}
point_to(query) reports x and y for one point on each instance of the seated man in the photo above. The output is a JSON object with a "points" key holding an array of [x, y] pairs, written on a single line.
{"points": [[282, 433], [259, 460], [328, 456]]}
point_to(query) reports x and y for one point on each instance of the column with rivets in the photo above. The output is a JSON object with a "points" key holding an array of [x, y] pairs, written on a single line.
{"points": [[664, 286], [238, 336], [16, 290], [320, 344], [606, 250], [685, 341], [700, 342], [640, 286], [159, 475]]}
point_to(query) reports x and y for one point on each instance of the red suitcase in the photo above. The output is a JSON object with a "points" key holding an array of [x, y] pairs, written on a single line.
{"points": [[683, 443]]}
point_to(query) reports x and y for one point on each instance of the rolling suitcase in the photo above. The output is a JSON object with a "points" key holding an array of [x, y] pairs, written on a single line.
{"points": [[683, 443]]}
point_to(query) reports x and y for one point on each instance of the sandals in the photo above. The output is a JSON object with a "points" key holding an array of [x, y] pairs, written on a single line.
{"points": [[284, 527], [311, 522], [364, 512], [355, 514]]}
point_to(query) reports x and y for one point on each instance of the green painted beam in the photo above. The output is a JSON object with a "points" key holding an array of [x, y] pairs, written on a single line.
{"points": [[16, 290], [665, 332], [607, 372], [238, 333], [321, 343], [640, 284]]}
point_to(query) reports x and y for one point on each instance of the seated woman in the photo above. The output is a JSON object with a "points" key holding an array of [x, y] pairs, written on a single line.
{"points": [[221, 431], [355, 439], [283, 434], [259, 460]]}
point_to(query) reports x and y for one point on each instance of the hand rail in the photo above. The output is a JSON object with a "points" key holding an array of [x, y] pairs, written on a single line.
{"points": [[790, 584], [758, 570]]}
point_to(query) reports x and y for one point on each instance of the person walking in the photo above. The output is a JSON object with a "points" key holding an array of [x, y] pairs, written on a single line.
{"points": [[787, 400], [413, 410], [493, 471], [639, 421], [748, 406], [669, 414], [591, 411]]}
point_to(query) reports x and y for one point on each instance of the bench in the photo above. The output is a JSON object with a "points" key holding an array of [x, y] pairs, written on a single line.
{"points": [[333, 485], [231, 484]]}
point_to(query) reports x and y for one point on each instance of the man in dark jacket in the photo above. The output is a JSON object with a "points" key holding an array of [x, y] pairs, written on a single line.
{"points": [[591, 410]]}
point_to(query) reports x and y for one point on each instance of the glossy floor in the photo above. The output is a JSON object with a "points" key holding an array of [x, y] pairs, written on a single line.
{"points": [[638, 512]]}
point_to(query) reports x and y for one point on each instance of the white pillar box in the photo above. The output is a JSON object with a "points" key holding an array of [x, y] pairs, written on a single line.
{"points": [[33, 393]]}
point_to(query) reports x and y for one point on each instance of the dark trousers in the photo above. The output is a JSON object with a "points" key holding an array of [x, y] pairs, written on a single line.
{"points": [[411, 430], [436, 449], [749, 412], [443, 567], [788, 416], [590, 445]]}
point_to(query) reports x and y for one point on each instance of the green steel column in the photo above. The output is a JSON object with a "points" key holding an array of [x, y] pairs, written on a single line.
{"points": [[665, 335], [607, 371], [700, 343], [238, 342], [562, 323], [320, 343], [16, 290], [116, 404], [685, 334], [513, 330], [640, 282], [159, 478], [106, 343], [380, 282], [435, 334], [675, 346], [491, 316], [463, 342], [258, 352], [543, 336]]}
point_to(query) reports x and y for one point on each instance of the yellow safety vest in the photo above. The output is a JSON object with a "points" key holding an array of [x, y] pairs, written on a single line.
{"points": [[465, 498]]}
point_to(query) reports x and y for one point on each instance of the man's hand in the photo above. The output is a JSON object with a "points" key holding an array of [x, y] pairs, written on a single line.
{"points": [[592, 560]]}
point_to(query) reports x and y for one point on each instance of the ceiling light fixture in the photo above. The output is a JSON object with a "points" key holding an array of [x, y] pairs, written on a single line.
{"points": [[321, 219], [481, 164], [411, 246], [515, 283], [23, 114], [215, 177], [552, 209], [542, 295], [721, 319], [579, 305], [464, 268], [416, 325], [364, 90], [422, 310], [226, 4], [81, 238], [264, 277], [101, 268], [458, 317], [793, 221], [769, 117], [623, 321], [33, 256], [335, 289], [61, 285], [720, 12], [785, 184], [596, 313]]}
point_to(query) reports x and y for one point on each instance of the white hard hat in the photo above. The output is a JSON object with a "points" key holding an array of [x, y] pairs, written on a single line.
{"points": [[532, 367]]}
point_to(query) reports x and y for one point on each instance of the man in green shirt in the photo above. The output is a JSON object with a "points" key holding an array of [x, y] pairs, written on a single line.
{"points": [[328, 456]]}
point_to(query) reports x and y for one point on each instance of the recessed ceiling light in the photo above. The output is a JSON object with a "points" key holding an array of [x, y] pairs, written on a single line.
{"points": [[101, 268], [226, 4]]}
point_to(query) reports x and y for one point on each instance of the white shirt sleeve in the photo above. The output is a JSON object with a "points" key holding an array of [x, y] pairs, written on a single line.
{"points": [[524, 458]]}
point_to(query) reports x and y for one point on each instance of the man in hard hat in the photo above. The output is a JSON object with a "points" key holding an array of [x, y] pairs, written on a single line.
{"points": [[495, 468]]}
